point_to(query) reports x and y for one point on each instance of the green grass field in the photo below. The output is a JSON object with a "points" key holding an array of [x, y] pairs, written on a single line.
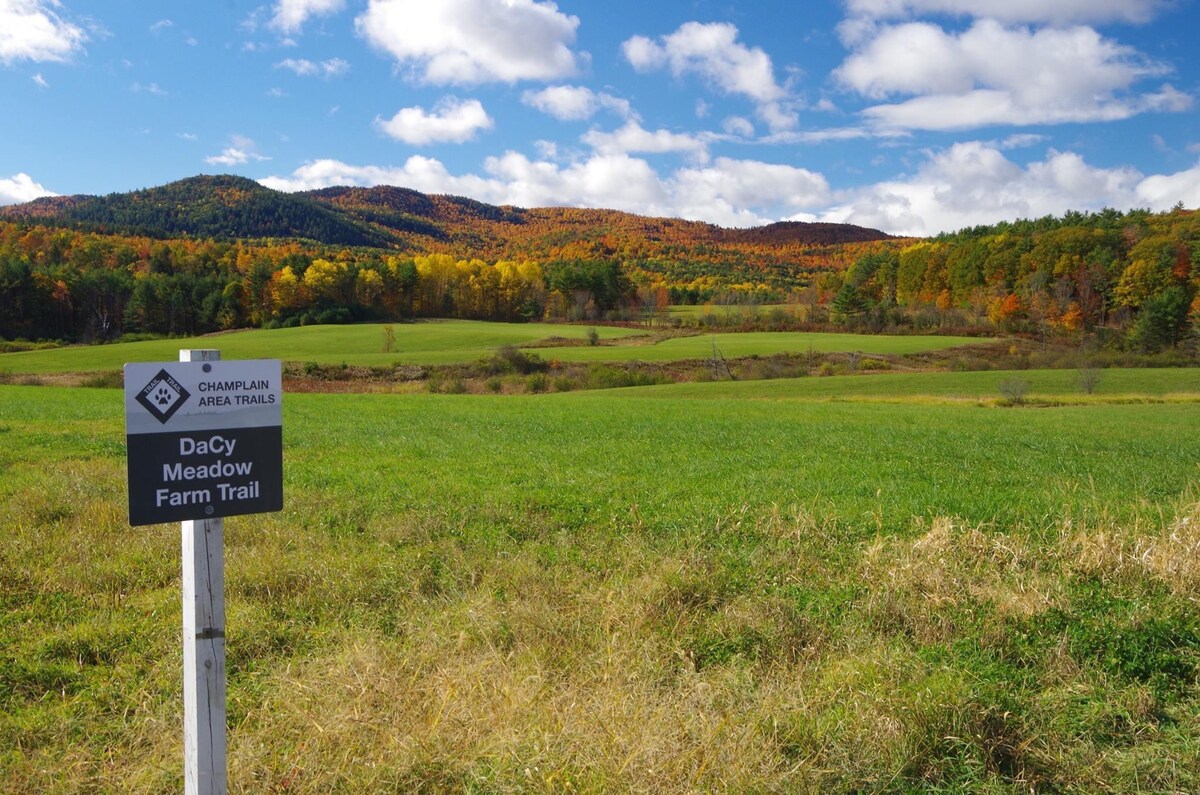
{"points": [[760, 343], [446, 342], [748, 587], [981, 386]]}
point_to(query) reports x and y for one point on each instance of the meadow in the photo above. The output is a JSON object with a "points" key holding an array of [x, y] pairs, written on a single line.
{"points": [[848, 584], [454, 341]]}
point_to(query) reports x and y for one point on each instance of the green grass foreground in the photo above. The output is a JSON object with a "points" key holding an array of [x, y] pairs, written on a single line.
{"points": [[453, 341], [658, 590]]}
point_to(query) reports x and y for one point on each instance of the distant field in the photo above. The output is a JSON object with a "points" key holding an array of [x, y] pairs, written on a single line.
{"points": [[1135, 384], [762, 343], [426, 342], [450, 341], [745, 587], [692, 311]]}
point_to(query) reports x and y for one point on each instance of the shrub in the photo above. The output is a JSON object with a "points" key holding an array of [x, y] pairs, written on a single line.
{"points": [[593, 337], [563, 384], [1014, 390], [1089, 379], [511, 359], [494, 385], [109, 379], [537, 382]]}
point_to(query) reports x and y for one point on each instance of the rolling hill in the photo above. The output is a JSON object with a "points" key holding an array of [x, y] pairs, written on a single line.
{"points": [[230, 207]]}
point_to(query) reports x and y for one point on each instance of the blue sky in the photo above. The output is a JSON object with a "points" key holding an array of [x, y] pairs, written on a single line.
{"points": [[911, 116]]}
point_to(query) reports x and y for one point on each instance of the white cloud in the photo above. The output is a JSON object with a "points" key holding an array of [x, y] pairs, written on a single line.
{"points": [[40, 81], [992, 74], [419, 173], [241, 150], [964, 185], [632, 137], [31, 30], [473, 41], [730, 192], [1162, 191], [1022, 140], [161, 25], [149, 88], [613, 181], [334, 67], [736, 125], [974, 183], [290, 15], [712, 52], [21, 188], [746, 192], [1055, 12], [574, 103], [451, 121]]}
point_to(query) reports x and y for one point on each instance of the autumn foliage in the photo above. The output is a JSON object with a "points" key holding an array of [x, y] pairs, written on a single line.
{"points": [[218, 253]]}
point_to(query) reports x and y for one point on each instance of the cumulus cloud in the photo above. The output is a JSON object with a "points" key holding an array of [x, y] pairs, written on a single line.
{"points": [[241, 150], [736, 125], [992, 74], [728, 192], [21, 188], [290, 15], [632, 137], [974, 183], [30, 30], [1057, 12], [473, 41], [574, 103], [334, 67], [615, 181], [746, 192], [419, 173], [713, 53], [452, 121], [1162, 191]]}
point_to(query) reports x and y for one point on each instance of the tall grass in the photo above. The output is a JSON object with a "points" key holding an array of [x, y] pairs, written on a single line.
{"points": [[602, 593]]}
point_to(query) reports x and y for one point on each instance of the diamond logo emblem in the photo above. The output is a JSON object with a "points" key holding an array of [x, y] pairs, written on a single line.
{"points": [[163, 396]]}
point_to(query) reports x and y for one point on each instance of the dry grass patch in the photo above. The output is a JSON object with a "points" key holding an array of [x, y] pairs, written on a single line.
{"points": [[926, 586], [1170, 555]]}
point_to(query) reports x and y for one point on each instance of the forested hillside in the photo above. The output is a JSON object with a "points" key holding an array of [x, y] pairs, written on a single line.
{"points": [[213, 253]]}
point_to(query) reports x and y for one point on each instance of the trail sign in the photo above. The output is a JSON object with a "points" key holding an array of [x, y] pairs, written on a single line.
{"points": [[205, 439]]}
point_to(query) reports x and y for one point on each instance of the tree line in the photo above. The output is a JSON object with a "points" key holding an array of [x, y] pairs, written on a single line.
{"points": [[1133, 277], [64, 284]]}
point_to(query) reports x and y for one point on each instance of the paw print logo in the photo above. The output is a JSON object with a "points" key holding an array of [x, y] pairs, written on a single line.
{"points": [[163, 396]]}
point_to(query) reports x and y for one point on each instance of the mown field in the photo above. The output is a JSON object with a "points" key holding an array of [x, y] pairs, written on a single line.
{"points": [[453, 341], [846, 584]]}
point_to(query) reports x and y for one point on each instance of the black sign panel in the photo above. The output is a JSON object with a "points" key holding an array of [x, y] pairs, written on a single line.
{"points": [[203, 475]]}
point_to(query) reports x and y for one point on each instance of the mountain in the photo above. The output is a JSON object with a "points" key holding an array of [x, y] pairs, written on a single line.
{"points": [[227, 207], [206, 206]]}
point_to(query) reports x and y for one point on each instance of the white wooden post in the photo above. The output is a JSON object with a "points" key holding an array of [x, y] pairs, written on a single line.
{"points": [[204, 771]]}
